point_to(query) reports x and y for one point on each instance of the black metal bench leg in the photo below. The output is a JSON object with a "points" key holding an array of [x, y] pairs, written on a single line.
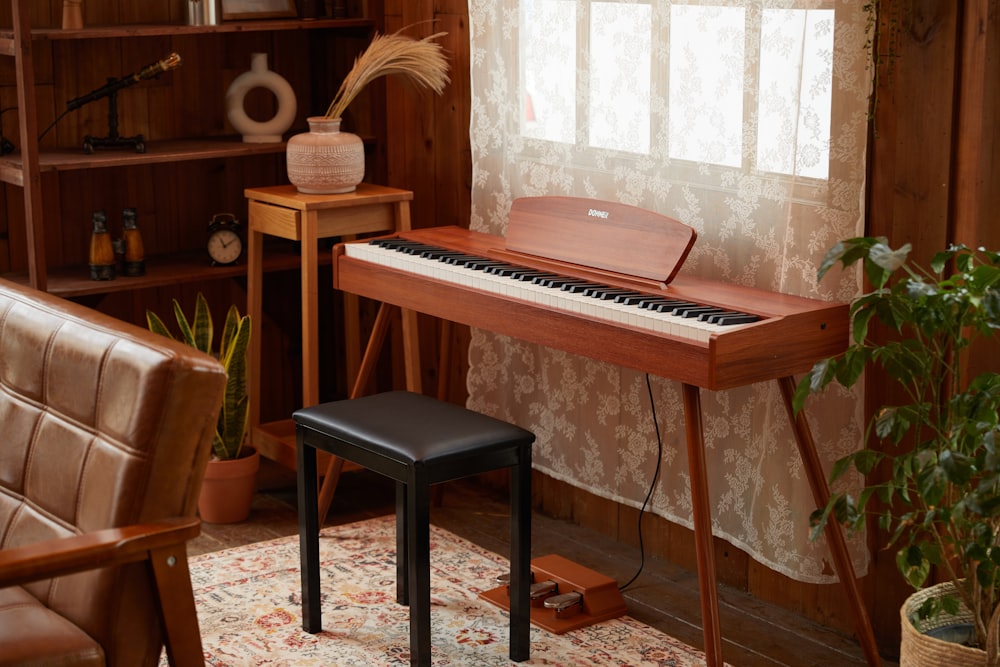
{"points": [[520, 557], [308, 537], [402, 547], [419, 571]]}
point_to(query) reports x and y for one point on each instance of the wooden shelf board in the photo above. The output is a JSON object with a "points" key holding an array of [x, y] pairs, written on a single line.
{"points": [[160, 271], [71, 159], [152, 30], [157, 152]]}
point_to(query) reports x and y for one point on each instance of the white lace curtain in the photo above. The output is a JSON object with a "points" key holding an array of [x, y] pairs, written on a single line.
{"points": [[745, 119]]}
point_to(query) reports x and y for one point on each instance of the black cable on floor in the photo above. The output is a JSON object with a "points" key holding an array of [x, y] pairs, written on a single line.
{"points": [[652, 485]]}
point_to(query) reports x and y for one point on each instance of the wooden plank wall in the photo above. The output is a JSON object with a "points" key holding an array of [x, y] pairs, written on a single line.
{"points": [[933, 172], [921, 186]]}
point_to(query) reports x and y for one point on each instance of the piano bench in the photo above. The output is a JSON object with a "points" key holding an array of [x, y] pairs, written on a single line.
{"points": [[417, 441]]}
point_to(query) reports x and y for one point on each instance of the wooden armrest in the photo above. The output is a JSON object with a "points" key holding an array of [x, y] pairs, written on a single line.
{"points": [[102, 548]]}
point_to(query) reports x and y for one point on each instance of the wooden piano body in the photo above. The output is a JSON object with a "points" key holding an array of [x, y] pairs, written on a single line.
{"points": [[808, 329], [637, 250]]}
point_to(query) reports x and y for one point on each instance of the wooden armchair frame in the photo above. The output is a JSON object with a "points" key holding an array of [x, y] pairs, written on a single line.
{"points": [[161, 544]]}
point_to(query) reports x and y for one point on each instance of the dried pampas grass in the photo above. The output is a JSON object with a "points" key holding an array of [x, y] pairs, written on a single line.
{"points": [[421, 62]]}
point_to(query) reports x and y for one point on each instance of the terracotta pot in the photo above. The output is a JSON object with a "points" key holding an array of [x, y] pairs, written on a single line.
{"points": [[918, 649], [228, 487], [325, 160]]}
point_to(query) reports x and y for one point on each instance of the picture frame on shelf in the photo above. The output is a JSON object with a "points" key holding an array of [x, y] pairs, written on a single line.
{"points": [[238, 10]]}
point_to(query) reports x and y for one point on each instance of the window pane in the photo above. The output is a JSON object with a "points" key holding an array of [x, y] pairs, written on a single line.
{"points": [[796, 70], [620, 37], [706, 84], [548, 61]]}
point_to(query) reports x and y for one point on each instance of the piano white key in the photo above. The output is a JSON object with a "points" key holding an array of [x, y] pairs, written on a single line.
{"points": [[557, 299]]}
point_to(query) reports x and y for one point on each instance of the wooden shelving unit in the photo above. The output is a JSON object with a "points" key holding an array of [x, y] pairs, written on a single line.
{"points": [[191, 152]]}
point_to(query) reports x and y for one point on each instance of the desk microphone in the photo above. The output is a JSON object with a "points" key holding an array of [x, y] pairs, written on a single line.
{"points": [[150, 71]]}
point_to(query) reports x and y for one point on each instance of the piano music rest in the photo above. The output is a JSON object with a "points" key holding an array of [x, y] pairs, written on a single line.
{"points": [[284, 212]]}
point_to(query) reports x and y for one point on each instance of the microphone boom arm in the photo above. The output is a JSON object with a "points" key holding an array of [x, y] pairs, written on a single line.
{"points": [[110, 90], [150, 71]]}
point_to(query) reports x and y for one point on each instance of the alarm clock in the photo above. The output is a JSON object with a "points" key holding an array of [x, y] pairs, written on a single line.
{"points": [[225, 245]]}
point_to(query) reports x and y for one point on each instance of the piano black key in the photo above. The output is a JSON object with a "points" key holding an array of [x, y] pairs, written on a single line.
{"points": [[531, 275], [482, 264], [463, 260], [395, 244], [505, 271], [438, 253], [610, 294], [579, 287], [591, 289], [458, 260], [667, 305], [632, 299], [729, 318], [416, 249], [556, 282], [694, 310], [709, 314], [624, 296]]}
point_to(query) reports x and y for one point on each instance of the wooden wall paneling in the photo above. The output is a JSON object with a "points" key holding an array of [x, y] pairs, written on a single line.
{"points": [[294, 60], [161, 112], [77, 200], [452, 149], [16, 233], [909, 195], [195, 100], [4, 233], [908, 200], [149, 12], [972, 146], [410, 139], [160, 233], [100, 13], [41, 13], [139, 192], [77, 72], [137, 112], [9, 130]]}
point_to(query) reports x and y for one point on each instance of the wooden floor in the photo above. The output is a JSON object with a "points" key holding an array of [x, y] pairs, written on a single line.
{"points": [[664, 596]]}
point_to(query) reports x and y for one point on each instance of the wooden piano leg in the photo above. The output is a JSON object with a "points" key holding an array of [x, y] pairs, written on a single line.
{"points": [[368, 361], [834, 533], [702, 516]]}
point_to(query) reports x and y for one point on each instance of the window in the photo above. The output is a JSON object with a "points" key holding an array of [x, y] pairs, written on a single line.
{"points": [[710, 83]]}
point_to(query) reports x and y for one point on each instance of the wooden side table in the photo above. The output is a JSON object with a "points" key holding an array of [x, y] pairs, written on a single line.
{"points": [[284, 212]]}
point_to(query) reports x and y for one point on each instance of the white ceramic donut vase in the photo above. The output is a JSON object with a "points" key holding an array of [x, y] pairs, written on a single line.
{"points": [[259, 76]]}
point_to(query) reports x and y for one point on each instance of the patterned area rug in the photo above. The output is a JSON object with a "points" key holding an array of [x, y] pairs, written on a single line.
{"points": [[249, 609]]}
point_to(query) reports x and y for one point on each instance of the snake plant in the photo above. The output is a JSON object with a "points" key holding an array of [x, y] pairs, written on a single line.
{"points": [[231, 430]]}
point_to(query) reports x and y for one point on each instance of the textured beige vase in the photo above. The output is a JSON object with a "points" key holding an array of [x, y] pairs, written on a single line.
{"points": [[325, 160]]}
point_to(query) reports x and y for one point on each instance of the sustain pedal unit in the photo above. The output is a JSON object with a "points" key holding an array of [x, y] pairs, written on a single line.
{"points": [[564, 595]]}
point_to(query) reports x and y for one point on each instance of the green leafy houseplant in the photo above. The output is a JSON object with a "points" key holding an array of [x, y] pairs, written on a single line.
{"points": [[939, 496], [232, 353]]}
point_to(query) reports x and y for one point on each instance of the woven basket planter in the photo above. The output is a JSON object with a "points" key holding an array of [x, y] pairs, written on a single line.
{"points": [[921, 650]]}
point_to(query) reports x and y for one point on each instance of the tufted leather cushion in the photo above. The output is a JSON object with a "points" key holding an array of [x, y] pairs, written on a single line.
{"points": [[102, 424]]}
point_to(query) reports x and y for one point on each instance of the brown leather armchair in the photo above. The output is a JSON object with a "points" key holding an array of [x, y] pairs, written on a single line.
{"points": [[105, 431]]}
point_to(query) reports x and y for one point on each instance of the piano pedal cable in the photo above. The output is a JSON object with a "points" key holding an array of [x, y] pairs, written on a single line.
{"points": [[652, 485]]}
